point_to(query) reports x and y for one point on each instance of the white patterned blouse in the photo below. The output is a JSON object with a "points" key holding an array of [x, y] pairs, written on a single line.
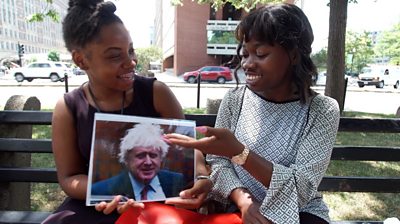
{"points": [[297, 138]]}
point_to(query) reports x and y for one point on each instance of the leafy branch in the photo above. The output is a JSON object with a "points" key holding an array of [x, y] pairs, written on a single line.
{"points": [[247, 5], [48, 11]]}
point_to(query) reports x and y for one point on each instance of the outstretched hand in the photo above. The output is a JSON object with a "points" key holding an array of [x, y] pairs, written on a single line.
{"points": [[217, 141], [194, 197], [109, 207]]}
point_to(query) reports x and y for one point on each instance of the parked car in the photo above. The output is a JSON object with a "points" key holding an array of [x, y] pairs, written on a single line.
{"points": [[380, 76], [2, 71], [217, 74], [320, 79], [78, 71], [55, 71]]}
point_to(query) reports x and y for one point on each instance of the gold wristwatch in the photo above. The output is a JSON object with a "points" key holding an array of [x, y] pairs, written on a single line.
{"points": [[241, 158]]}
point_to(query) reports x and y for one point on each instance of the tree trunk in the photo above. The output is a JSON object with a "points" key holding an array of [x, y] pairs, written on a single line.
{"points": [[336, 51]]}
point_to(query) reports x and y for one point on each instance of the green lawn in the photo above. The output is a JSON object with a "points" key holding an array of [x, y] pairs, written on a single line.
{"points": [[343, 206]]}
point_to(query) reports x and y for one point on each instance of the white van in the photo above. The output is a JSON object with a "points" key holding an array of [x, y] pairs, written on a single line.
{"points": [[380, 76]]}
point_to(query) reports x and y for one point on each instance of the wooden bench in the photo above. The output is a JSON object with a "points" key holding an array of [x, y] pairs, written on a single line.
{"points": [[329, 183]]}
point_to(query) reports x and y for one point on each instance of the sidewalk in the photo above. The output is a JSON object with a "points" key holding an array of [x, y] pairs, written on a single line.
{"points": [[168, 77]]}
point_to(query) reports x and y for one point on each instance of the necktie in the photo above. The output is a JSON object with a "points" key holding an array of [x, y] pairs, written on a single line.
{"points": [[143, 194]]}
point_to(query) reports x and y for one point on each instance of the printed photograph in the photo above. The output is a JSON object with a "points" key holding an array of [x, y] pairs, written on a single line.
{"points": [[130, 157]]}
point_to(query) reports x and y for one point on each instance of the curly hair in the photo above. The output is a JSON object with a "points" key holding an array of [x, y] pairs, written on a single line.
{"points": [[287, 26], [84, 20]]}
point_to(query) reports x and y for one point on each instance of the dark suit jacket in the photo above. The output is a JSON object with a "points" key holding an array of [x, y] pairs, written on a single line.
{"points": [[171, 182]]}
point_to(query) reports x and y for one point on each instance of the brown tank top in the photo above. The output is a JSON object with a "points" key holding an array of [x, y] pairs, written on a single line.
{"points": [[142, 105]]}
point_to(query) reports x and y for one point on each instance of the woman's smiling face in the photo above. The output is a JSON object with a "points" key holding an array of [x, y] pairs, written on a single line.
{"points": [[267, 69], [111, 58]]}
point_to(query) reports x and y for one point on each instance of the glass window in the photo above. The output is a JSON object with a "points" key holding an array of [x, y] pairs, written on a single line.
{"points": [[205, 69], [44, 65]]}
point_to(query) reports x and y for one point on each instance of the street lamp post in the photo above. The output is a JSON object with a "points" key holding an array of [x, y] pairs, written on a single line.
{"points": [[353, 51], [198, 89]]}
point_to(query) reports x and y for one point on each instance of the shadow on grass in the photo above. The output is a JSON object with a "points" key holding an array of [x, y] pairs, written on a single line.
{"points": [[362, 206]]}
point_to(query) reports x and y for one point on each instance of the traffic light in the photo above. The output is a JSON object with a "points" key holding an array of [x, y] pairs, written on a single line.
{"points": [[21, 49]]}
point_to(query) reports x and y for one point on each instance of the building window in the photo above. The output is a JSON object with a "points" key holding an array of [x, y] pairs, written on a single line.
{"points": [[213, 13]]}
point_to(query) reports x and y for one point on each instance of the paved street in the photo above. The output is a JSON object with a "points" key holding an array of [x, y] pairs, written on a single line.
{"points": [[367, 99]]}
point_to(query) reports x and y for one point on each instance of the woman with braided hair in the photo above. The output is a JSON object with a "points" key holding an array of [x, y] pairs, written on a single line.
{"points": [[101, 45]]}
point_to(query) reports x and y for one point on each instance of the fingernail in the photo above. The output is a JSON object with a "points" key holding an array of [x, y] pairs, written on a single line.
{"points": [[165, 138], [201, 129]]}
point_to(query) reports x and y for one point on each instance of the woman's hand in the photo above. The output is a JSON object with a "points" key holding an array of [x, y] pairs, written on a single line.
{"points": [[250, 214], [194, 197], [248, 206], [107, 208], [217, 141]]}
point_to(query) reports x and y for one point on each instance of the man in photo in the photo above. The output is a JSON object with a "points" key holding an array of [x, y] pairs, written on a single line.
{"points": [[142, 151]]}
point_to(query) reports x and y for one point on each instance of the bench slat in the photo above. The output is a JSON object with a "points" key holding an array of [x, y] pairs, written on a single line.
{"points": [[366, 153], [28, 174], [360, 184], [202, 119], [385, 125], [329, 183], [25, 145], [22, 217], [25, 117]]}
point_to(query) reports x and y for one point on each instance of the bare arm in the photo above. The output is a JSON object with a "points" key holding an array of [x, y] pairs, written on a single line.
{"points": [[71, 170], [165, 102]]}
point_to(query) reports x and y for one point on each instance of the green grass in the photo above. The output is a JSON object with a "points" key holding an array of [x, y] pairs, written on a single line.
{"points": [[366, 115], [45, 196], [343, 205], [194, 110], [364, 206]]}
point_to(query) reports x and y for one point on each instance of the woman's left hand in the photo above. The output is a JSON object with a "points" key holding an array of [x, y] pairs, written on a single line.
{"points": [[251, 214], [218, 141], [194, 197]]}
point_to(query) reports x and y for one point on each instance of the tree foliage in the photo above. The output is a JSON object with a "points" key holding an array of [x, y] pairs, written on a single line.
{"points": [[359, 50], [217, 4], [388, 45], [48, 11], [238, 4], [223, 37], [147, 55], [320, 58], [53, 56]]}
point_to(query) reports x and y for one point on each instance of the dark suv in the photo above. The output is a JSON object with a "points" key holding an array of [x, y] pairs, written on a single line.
{"points": [[217, 74]]}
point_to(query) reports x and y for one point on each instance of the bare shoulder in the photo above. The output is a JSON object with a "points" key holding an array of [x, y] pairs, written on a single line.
{"points": [[61, 110], [165, 102]]}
